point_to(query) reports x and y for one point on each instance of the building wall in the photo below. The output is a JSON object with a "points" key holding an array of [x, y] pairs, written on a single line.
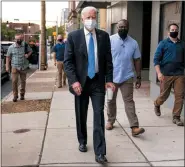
{"points": [[64, 16], [116, 12], [23, 28], [154, 37], [103, 17], [73, 20], [124, 10], [135, 17]]}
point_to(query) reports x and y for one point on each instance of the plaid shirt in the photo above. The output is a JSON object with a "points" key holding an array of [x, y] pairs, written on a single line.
{"points": [[16, 53]]}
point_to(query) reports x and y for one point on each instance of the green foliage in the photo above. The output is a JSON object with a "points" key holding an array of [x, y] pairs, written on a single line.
{"points": [[49, 31], [36, 37], [7, 33]]}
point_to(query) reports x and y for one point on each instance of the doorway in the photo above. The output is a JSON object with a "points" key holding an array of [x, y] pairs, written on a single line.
{"points": [[147, 17]]}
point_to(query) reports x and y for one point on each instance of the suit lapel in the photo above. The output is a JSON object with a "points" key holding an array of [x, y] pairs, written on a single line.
{"points": [[83, 45], [98, 39]]}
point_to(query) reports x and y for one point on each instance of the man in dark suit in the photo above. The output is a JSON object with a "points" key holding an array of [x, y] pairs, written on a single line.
{"points": [[89, 69]]}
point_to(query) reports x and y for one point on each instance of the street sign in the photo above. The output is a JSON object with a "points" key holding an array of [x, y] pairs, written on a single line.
{"points": [[54, 33]]}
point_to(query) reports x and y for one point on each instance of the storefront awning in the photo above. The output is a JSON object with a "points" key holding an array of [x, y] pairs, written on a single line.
{"points": [[96, 4]]}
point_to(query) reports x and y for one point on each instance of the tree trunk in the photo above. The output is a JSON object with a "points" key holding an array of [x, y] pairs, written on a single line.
{"points": [[43, 36]]}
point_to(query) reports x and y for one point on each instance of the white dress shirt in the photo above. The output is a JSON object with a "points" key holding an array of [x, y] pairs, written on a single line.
{"points": [[87, 38]]}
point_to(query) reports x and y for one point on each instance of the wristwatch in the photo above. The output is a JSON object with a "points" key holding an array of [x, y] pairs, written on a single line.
{"points": [[138, 77]]}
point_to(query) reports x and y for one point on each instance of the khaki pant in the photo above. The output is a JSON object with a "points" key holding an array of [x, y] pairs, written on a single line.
{"points": [[178, 84], [15, 75], [61, 73], [127, 95]]}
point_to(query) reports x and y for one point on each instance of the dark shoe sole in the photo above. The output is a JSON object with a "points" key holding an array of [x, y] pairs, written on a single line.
{"points": [[178, 124], [136, 134], [14, 100], [110, 128], [158, 113], [82, 150], [101, 162]]}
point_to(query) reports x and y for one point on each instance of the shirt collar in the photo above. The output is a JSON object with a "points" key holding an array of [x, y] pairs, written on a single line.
{"points": [[16, 46], [60, 43], [169, 40], [86, 32], [22, 44]]}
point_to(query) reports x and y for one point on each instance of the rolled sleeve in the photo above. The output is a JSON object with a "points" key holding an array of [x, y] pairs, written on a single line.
{"points": [[158, 54], [137, 53], [9, 52]]}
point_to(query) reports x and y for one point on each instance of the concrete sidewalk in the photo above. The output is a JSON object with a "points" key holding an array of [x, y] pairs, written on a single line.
{"points": [[161, 145], [20, 148], [52, 141]]}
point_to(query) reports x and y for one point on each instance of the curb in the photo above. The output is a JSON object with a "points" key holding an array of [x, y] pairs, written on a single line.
{"points": [[7, 96]]}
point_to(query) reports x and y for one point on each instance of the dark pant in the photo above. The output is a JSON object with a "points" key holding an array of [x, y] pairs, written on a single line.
{"points": [[94, 90], [178, 84]]}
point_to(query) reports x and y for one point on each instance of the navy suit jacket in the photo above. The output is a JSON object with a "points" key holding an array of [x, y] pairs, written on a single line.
{"points": [[76, 58]]}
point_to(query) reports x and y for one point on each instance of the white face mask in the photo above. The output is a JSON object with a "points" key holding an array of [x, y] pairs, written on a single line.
{"points": [[90, 24]]}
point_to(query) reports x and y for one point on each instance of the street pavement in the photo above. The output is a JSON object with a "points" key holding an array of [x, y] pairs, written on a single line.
{"points": [[51, 137], [6, 86]]}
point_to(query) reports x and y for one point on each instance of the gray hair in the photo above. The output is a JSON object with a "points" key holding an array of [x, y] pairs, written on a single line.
{"points": [[88, 8]]}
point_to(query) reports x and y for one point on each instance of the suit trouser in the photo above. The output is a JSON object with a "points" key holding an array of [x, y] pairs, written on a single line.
{"points": [[91, 89], [178, 84], [15, 75], [61, 73], [127, 95]]}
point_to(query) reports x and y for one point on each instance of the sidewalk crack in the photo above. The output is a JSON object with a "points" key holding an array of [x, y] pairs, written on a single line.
{"points": [[135, 145], [45, 131]]}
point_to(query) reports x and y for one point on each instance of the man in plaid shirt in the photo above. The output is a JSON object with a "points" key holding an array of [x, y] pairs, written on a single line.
{"points": [[16, 52]]}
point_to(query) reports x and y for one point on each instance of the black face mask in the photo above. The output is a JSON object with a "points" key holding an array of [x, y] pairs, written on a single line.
{"points": [[19, 42], [123, 33], [174, 34], [60, 40]]}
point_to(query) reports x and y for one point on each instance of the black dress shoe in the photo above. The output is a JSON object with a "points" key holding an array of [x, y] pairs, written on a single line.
{"points": [[22, 98], [83, 148], [15, 99], [101, 159]]}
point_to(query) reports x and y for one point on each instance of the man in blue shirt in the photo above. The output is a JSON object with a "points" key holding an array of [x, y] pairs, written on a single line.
{"points": [[169, 62], [125, 56], [58, 56]]}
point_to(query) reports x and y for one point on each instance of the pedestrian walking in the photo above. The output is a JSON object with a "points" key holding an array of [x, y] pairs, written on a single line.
{"points": [[88, 65], [125, 53], [16, 53], [58, 57], [169, 62]]}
